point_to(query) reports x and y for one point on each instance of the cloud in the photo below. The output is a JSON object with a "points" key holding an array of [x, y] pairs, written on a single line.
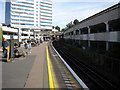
{"points": [[2, 13], [85, 0], [10, 0], [65, 12]]}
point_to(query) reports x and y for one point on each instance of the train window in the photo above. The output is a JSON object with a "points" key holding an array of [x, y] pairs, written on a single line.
{"points": [[77, 32], [114, 25], [114, 49], [72, 33], [98, 28], [69, 33], [84, 30], [116, 67], [5, 33]]}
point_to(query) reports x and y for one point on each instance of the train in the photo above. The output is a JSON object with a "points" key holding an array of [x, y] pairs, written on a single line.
{"points": [[98, 40]]}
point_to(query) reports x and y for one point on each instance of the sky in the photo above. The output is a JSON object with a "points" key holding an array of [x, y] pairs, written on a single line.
{"points": [[65, 11], [2, 11]]}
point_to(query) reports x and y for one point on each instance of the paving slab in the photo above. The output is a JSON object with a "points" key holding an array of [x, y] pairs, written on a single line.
{"points": [[38, 77], [62, 76], [15, 73], [28, 72]]}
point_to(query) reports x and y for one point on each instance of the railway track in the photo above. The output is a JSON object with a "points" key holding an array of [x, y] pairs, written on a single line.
{"points": [[88, 74]]}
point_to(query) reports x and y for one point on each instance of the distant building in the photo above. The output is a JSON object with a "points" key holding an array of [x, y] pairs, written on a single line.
{"points": [[103, 28], [96, 41], [29, 15], [54, 30], [7, 31]]}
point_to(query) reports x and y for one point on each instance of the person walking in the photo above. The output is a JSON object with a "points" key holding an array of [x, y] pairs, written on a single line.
{"points": [[4, 45], [29, 46]]}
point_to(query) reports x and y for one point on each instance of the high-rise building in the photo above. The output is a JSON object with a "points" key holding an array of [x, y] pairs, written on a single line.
{"points": [[37, 13], [29, 14]]}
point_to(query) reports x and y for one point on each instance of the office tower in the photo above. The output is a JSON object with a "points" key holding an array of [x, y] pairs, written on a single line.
{"points": [[29, 14]]}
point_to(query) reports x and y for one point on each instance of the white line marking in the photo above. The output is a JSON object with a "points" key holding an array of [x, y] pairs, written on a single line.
{"points": [[73, 73]]}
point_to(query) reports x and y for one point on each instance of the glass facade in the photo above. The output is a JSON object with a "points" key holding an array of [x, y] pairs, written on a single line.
{"points": [[7, 13], [37, 13], [22, 13], [46, 13], [22, 6]]}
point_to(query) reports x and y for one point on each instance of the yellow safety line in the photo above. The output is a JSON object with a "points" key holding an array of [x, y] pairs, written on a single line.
{"points": [[51, 84], [8, 54]]}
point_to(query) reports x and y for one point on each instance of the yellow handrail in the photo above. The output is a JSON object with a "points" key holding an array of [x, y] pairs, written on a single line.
{"points": [[8, 54]]}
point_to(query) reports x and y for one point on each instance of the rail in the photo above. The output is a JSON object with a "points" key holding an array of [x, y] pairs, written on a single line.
{"points": [[70, 69], [93, 79]]}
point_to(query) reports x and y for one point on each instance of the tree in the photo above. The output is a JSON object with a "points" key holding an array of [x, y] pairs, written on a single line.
{"points": [[58, 28], [69, 25], [63, 30], [53, 27], [76, 22]]}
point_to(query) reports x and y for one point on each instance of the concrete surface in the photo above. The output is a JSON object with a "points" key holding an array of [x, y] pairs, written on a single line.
{"points": [[38, 77], [28, 72]]}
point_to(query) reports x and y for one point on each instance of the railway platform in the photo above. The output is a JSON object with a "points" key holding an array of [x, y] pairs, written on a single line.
{"points": [[43, 68]]}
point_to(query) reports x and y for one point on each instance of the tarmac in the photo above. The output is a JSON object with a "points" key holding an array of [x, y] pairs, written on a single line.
{"points": [[32, 71], [28, 72]]}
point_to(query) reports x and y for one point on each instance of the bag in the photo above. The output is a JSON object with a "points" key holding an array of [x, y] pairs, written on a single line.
{"points": [[5, 47], [26, 46]]}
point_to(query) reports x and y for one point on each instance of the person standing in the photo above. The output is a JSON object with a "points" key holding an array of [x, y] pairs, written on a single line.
{"points": [[26, 43], [29, 46], [4, 45]]}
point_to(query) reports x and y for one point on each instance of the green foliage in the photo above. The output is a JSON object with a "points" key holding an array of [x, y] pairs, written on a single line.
{"points": [[76, 22], [53, 27], [63, 30], [58, 28], [20, 42], [69, 25]]}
